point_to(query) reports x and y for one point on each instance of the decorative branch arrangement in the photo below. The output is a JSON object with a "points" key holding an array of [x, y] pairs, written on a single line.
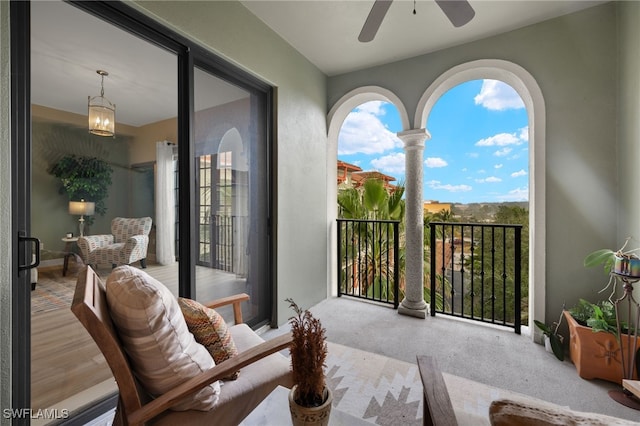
{"points": [[308, 355]]}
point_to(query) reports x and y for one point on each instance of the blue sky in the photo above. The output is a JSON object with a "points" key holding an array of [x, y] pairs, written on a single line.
{"points": [[478, 151]]}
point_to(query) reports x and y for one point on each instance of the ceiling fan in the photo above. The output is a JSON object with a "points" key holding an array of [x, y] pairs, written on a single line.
{"points": [[459, 13]]}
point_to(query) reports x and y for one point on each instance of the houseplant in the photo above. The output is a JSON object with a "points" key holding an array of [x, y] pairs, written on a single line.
{"points": [[552, 339], [594, 346], [85, 178], [310, 398]]}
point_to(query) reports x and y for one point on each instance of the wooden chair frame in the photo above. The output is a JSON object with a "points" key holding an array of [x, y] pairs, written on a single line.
{"points": [[438, 410], [90, 307]]}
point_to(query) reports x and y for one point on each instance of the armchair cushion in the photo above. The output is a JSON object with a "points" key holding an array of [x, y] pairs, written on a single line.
{"points": [[155, 336], [210, 330]]}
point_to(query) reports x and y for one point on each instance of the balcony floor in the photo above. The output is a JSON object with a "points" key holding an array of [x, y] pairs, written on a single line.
{"points": [[493, 356]]}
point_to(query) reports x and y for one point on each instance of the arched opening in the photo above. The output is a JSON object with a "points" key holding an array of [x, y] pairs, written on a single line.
{"points": [[529, 91], [335, 119]]}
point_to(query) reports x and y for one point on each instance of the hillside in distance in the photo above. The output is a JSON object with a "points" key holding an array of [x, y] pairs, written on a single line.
{"points": [[483, 211]]}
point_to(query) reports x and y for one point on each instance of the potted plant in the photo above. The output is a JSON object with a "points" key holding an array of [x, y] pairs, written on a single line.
{"points": [[621, 261], [594, 345], [552, 339], [310, 398]]}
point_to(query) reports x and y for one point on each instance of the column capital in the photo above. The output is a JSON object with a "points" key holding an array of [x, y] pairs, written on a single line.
{"points": [[414, 138]]}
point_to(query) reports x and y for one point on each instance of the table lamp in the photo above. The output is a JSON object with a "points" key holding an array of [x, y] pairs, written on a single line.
{"points": [[81, 208]]}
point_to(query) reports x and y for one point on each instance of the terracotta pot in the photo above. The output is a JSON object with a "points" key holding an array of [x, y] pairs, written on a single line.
{"points": [[310, 416], [596, 355]]}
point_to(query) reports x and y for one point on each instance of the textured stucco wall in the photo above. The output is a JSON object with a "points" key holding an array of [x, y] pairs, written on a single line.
{"points": [[629, 124], [573, 59], [5, 214], [231, 31]]}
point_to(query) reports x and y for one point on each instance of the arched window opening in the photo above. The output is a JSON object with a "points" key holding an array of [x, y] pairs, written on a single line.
{"points": [[476, 170]]}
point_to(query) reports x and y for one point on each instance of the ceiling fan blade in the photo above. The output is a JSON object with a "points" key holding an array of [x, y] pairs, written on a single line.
{"points": [[459, 12], [376, 15]]}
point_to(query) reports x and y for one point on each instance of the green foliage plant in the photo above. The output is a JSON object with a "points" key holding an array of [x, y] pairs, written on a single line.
{"points": [[555, 339], [308, 355], [599, 316], [86, 178]]}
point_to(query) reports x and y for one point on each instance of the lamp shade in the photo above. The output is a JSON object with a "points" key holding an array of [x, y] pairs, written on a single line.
{"points": [[102, 116], [82, 208]]}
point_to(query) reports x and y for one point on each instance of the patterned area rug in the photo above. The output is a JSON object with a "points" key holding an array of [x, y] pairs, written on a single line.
{"points": [[53, 291], [386, 391], [378, 389]]}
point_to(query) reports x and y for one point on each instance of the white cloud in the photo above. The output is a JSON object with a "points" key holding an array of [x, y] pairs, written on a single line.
{"points": [[524, 134], [433, 162], [436, 184], [363, 132], [490, 179], [372, 107], [519, 173], [501, 139], [497, 166], [518, 194], [473, 155], [392, 163], [502, 152], [498, 96]]}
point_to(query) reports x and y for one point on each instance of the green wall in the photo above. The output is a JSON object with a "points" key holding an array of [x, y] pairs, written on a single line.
{"points": [[628, 154]]}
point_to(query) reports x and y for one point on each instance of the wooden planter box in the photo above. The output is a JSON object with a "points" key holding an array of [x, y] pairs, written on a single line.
{"points": [[596, 355]]}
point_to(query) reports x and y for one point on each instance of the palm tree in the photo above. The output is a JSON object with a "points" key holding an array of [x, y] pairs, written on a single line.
{"points": [[371, 267]]}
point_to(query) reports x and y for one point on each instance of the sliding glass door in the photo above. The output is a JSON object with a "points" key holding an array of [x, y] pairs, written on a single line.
{"points": [[231, 193], [191, 151]]}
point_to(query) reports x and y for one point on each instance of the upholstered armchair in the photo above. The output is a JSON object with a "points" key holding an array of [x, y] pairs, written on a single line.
{"points": [[127, 243]]}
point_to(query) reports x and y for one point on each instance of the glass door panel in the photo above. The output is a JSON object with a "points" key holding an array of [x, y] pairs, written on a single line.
{"points": [[230, 150], [68, 371]]}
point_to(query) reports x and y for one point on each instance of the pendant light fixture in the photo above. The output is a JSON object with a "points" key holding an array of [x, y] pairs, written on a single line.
{"points": [[102, 113]]}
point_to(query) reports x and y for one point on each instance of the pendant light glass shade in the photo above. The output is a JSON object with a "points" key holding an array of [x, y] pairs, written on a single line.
{"points": [[102, 113]]}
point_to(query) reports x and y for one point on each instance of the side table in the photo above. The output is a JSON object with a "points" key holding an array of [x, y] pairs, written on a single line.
{"points": [[68, 249]]}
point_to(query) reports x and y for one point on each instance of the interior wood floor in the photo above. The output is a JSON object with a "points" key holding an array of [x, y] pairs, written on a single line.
{"points": [[65, 362]]}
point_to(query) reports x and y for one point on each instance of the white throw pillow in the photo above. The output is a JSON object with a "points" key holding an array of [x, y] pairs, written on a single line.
{"points": [[162, 351]]}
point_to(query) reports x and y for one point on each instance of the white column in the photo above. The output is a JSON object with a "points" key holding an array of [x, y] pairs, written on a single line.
{"points": [[413, 303]]}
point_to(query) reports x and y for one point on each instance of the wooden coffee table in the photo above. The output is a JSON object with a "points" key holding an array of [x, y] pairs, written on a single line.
{"points": [[632, 386]]}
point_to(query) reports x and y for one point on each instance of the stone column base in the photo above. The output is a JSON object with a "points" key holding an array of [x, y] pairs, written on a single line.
{"points": [[414, 310]]}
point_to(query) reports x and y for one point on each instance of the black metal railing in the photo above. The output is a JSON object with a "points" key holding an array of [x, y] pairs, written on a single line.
{"points": [[369, 260], [476, 272], [223, 231]]}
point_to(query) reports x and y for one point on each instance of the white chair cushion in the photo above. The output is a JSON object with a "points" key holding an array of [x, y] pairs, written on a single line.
{"points": [[239, 397], [162, 351]]}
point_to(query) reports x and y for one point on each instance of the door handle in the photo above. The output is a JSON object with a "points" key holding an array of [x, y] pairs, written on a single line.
{"points": [[36, 242]]}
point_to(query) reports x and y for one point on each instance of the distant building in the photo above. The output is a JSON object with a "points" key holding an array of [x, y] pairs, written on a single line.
{"points": [[344, 173], [352, 176], [433, 206]]}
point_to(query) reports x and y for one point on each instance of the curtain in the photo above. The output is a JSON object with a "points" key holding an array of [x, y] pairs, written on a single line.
{"points": [[165, 204]]}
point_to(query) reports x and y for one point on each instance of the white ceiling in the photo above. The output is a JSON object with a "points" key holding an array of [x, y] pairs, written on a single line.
{"points": [[68, 46], [326, 32]]}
